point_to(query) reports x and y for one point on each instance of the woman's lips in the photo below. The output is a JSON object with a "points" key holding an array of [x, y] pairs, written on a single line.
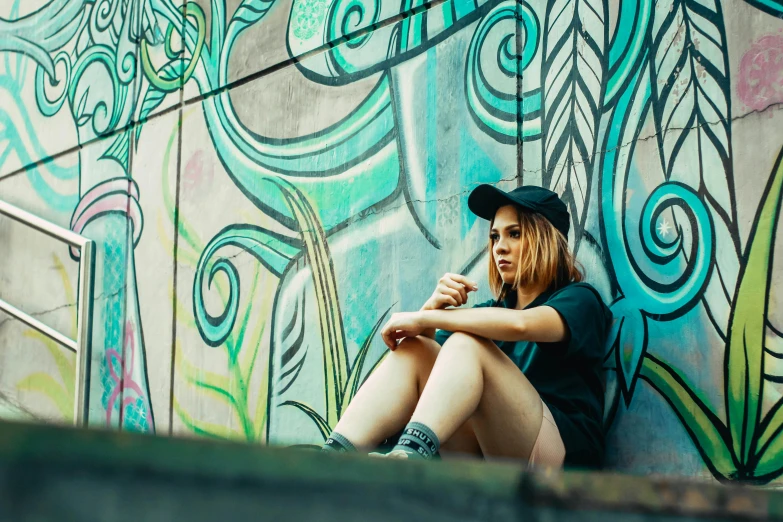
{"points": [[503, 264]]}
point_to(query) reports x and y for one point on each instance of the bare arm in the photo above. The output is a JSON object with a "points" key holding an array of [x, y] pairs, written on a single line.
{"points": [[539, 324], [429, 332]]}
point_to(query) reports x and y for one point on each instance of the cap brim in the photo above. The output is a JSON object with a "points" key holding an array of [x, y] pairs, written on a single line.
{"points": [[485, 200]]}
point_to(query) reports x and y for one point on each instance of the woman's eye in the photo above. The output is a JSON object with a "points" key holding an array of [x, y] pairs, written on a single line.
{"points": [[493, 237], [515, 234]]}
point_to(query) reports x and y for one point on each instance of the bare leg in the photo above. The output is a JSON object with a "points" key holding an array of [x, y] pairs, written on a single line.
{"points": [[468, 392], [385, 402], [473, 380]]}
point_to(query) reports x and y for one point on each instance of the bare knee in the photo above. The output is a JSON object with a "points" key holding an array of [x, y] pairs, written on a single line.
{"points": [[420, 352], [463, 344], [417, 347]]}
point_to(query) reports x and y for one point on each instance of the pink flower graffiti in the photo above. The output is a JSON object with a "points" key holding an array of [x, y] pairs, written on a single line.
{"points": [[124, 383], [760, 75]]}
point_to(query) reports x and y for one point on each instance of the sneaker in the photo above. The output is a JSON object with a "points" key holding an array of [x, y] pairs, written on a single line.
{"points": [[394, 454]]}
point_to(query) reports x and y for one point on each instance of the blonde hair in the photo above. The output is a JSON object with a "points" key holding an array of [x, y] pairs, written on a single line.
{"points": [[544, 259]]}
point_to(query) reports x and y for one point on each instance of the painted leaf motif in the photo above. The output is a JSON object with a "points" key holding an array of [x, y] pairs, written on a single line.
{"points": [[119, 149], [629, 335], [293, 346], [319, 421], [745, 351], [81, 116], [703, 426], [248, 13], [573, 79], [335, 355], [692, 109]]}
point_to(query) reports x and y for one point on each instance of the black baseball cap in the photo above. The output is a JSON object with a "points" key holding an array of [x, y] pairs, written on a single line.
{"points": [[485, 200]]}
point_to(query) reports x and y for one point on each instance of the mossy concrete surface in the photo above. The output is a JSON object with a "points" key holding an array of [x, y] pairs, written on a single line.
{"points": [[58, 473]]}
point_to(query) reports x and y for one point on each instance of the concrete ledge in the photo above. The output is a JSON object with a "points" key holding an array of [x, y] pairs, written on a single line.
{"points": [[49, 472]]}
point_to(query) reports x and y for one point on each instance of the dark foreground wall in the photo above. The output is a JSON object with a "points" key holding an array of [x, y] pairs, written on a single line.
{"points": [[49, 473]]}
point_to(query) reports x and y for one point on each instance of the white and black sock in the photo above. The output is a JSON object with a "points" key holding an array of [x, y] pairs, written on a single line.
{"points": [[337, 442], [418, 440]]}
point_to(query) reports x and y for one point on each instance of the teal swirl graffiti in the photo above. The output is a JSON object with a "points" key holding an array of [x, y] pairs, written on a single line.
{"points": [[672, 297], [47, 106], [646, 292], [272, 250], [501, 114], [644, 295], [345, 17], [105, 115]]}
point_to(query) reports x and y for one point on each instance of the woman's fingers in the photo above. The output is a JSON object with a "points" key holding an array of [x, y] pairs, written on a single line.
{"points": [[471, 286], [391, 334], [455, 295], [452, 290], [460, 283], [400, 334], [391, 339], [442, 301], [457, 287], [388, 340]]}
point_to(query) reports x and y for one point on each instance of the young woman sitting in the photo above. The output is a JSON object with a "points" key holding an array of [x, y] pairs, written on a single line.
{"points": [[518, 376]]}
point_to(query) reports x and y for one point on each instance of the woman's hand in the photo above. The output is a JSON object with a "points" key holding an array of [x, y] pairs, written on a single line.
{"points": [[401, 325], [452, 290]]}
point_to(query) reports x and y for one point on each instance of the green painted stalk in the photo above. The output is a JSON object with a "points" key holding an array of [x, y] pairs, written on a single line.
{"points": [[702, 424], [745, 350], [324, 283], [323, 427]]}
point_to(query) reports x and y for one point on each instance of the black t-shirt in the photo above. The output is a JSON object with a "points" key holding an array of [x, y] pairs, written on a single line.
{"points": [[567, 374]]}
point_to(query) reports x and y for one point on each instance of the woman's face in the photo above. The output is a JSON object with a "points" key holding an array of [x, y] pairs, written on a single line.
{"points": [[506, 243]]}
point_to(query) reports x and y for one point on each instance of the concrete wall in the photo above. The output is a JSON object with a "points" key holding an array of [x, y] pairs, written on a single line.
{"points": [[264, 194]]}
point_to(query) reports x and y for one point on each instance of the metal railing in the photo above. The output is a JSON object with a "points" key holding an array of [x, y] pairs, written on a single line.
{"points": [[80, 345]]}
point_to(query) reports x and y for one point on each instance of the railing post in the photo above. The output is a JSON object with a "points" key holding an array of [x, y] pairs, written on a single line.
{"points": [[81, 403]]}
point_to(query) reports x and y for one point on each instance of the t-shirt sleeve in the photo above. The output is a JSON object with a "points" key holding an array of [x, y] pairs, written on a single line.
{"points": [[442, 335], [586, 316]]}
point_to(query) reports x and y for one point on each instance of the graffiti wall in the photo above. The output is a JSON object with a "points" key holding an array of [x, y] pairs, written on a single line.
{"points": [[267, 180]]}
